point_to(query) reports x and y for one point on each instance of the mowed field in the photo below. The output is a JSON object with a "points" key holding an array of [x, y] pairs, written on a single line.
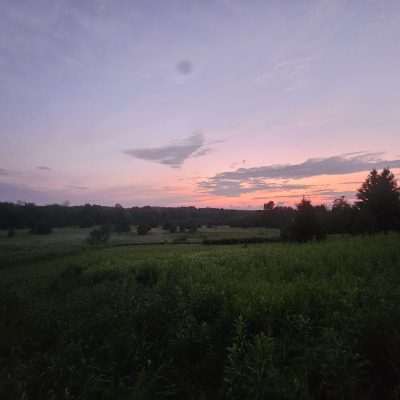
{"points": [[265, 321]]}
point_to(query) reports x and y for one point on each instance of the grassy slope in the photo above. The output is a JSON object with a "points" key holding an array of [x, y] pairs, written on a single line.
{"points": [[276, 320]]}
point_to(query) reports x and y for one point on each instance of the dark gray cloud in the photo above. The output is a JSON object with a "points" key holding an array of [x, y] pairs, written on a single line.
{"points": [[202, 152], [332, 193], [184, 67], [43, 168], [245, 180], [173, 155], [325, 194], [233, 188]]}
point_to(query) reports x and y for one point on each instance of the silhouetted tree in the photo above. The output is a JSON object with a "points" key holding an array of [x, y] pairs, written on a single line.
{"points": [[169, 226], [41, 228], [379, 197], [87, 217], [341, 217], [192, 228], [269, 206], [306, 225], [143, 229], [121, 220]]}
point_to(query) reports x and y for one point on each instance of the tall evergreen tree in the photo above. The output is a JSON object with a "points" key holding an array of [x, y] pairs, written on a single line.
{"points": [[379, 196]]}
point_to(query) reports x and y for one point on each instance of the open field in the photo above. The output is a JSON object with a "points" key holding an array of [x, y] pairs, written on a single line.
{"points": [[64, 241], [276, 321]]}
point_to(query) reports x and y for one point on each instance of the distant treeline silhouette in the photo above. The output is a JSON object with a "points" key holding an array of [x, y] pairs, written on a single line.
{"points": [[377, 209]]}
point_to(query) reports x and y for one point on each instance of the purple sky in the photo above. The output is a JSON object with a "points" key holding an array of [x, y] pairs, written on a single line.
{"points": [[208, 103]]}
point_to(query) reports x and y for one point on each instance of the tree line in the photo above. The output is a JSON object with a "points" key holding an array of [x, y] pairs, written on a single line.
{"points": [[376, 209]]}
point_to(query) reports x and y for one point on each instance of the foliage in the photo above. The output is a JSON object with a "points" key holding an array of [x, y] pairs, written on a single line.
{"points": [[377, 209], [170, 227], [122, 224], [41, 228], [306, 225], [379, 196], [99, 235], [276, 321], [143, 229], [341, 217]]}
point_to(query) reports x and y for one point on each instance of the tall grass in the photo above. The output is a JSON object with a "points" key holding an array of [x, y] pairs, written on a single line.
{"points": [[273, 321]]}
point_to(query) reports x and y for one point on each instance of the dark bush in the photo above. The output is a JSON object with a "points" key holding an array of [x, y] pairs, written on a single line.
{"points": [[41, 228], [99, 235], [11, 233], [306, 225], [143, 229]]}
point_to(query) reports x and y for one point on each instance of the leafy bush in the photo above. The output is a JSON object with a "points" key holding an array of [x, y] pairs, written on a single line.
{"points": [[143, 229], [99, 235]]}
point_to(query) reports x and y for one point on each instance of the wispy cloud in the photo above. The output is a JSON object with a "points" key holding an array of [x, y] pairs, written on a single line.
{"points": [[3, 172], [233, 188], [245, 180], [77, 187], [43, 168], [173, 155]]}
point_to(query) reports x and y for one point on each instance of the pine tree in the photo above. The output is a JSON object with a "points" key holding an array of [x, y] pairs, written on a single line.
{"points": [[379, 196]]}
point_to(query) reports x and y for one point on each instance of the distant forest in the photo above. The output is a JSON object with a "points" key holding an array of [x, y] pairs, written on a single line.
{"points": [[377, 209]]}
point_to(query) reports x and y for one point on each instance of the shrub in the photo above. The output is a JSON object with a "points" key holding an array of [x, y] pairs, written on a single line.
{"points": [[41, 228], [11, 233], [122, 227], [99, 235], [143, 229]]}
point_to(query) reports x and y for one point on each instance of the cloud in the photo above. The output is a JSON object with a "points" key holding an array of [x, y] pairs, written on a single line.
{"points": [[202, 152], [76, 187], [43, 168], [184, 67], [3, 172], [173, 155], [232, 188], [332, 193], [245, 180]]}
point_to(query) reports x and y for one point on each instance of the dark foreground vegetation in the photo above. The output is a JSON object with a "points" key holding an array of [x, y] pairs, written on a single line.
{"points": [[267, 321]]}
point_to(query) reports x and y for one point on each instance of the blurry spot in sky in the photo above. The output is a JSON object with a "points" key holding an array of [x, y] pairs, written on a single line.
{"points": [[184, 67]]}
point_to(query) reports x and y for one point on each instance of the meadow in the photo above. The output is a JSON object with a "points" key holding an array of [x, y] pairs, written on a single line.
{"points": [[263, 321]]}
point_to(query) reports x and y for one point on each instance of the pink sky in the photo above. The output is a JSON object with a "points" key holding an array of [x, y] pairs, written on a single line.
{"points": [[219, 103]]}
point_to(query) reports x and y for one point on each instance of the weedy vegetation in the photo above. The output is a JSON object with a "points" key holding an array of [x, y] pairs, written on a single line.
{"points": [[258, 321]]}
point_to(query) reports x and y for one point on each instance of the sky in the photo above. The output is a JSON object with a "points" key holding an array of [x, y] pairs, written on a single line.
{"points": [[211, 103]]}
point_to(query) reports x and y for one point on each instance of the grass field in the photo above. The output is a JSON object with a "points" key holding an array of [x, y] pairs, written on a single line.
{"points": [[66, 241], [269, 321]]}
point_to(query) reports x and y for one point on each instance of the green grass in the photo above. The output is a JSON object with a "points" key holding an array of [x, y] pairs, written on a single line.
{"points": [[25, 247], [276, 321]]}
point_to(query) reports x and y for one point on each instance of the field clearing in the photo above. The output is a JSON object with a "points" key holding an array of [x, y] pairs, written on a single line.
{"points": [[65, 241], [260, 321]]}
